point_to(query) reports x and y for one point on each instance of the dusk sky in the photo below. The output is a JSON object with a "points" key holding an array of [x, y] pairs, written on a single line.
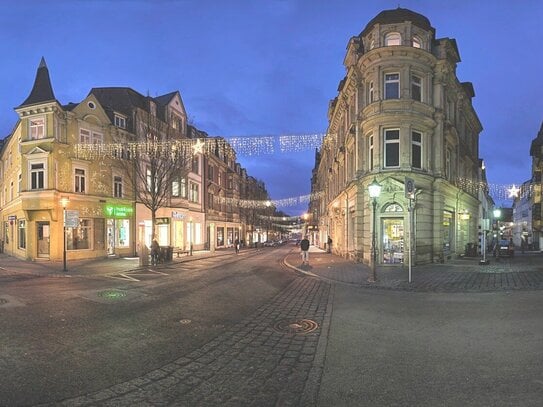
{"points": [[259, 68]]}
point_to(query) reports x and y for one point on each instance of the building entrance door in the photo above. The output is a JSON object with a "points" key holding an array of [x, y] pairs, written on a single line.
{"points": [[43, 235], [393, 240]]}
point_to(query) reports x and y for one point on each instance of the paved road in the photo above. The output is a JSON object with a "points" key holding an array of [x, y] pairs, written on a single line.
{"points": [[283, 338]]}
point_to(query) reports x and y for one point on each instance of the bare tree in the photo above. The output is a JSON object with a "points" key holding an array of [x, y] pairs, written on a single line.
{"points": [[158, 156]]}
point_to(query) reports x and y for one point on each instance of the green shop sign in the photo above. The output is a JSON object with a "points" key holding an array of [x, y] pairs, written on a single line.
{"points": [[118, 211]]}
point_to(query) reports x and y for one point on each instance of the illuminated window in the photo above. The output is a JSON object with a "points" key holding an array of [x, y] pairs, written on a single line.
{"points": [[194, 192], [392, 86], [393, 39], [21, 234], [392, 148], [79, 238], [37, 128]]}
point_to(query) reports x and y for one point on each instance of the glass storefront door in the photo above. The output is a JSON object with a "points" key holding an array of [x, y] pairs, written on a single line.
{"points": [[393, 240], [43, 235]]}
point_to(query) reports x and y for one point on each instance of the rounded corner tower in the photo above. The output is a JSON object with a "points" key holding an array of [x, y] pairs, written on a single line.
{"points": [[400, 112]]}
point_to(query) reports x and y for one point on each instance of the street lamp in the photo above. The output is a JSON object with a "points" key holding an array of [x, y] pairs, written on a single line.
{"points": [[374, 190], [64, 202], [497, 214]]}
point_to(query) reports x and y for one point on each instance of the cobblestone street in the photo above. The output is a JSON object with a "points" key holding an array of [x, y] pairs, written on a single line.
{"points": [[253, 364]]}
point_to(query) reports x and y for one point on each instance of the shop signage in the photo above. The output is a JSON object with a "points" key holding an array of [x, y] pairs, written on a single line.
{"points": [[162, 221], [118, 211], [12, 217], [71, 219], [178, 215]]}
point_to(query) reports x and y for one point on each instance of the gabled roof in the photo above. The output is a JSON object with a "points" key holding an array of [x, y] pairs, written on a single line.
{"points": [[42, 91], [167, 98]]}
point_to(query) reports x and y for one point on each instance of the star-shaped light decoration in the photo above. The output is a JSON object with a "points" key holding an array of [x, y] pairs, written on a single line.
{"points": [[513, 191], [198, 147]]}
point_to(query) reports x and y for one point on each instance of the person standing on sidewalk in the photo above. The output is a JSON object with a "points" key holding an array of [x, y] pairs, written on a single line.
{"points": [[304, 246], [329, 244], [155, 251]]}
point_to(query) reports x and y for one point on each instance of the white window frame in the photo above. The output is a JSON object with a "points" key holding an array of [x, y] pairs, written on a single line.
{"points": [[371, 92], [36, 131], [194, 192], [387, 80], [417, 144], [119, 121], [393, 39], [80, 180], [387, 142], [118, 189], [32, 171], [415, 84], [85, 136], [370, 151]]}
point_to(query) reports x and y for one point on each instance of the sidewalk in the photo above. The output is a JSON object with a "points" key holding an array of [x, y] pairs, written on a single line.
{"points": [[523, 272], [12, 266]]}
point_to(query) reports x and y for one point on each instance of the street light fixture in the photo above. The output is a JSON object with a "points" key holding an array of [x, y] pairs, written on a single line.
{"points": [[374, 190], [64, 202]]}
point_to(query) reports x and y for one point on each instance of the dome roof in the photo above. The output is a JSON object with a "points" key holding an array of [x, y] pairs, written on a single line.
{"points": [[398, 15]]}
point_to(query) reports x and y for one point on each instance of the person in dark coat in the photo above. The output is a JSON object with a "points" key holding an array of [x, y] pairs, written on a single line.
{"points": [[304, 247], [155, 252]]}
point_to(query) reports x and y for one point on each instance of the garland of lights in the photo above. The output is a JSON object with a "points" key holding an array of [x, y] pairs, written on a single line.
{"points": [[261, 145]]}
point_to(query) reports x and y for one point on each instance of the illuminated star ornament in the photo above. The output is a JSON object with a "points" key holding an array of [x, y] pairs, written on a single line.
{"points": [[513, 191], [198, 147]]}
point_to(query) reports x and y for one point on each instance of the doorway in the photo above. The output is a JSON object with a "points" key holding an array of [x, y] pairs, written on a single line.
{"points": [[393, 240], [43, 236]]}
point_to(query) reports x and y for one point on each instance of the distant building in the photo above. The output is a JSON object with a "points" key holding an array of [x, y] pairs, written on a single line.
{"points": [[536, 151], [67, 160], [400, 112]]}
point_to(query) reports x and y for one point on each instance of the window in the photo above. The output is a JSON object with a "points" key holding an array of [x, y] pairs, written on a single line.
{"points": [[117, 186], [20, 186], [37, 128], [219, 181], [211, 173], [84, 136], [175, 187], [393, 39], [120, 121], [79, 238], [11, 191], [21, 234], [392, 86], [416, 43], [211, 201], [416, 88], [372, 44], [370, 92], [416, 149], [183, 188], [37, 176], [88, 137], [370, 152], [79, 180], [196, 165], [194, 193], [392, 148]]}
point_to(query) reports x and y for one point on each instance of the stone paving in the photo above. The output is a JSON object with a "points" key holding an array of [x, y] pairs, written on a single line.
{"points": [[523, 272], [252, 364]]}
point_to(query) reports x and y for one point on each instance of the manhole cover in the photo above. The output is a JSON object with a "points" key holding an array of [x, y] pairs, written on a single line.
{"points": [[185, 321], [298, 326], [3, 301], [112, 294]]}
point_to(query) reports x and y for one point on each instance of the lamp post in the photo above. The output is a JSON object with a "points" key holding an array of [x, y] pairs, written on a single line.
{"points": [[374, 190], [64, 202]]}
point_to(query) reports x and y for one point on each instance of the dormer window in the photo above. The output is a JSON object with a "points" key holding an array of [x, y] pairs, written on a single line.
{"points": [[416, 42], [120, 121], [37, 128], [392, 39]]}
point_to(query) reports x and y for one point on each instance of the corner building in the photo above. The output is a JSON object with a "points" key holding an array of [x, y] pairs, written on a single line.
{"points": [[400, 112]]}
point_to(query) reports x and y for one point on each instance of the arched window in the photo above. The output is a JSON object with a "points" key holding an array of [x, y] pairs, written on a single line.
{"points": [[416, 42], [393, 207], [393, 39]]}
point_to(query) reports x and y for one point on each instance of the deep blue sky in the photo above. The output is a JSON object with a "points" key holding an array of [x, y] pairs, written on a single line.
{"points": [[247, 68]]}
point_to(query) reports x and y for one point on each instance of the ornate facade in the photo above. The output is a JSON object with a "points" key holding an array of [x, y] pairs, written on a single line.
{"points": [[400, 112]]}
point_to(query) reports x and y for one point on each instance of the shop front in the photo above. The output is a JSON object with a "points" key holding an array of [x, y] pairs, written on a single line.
{"points": [[118, 228]]}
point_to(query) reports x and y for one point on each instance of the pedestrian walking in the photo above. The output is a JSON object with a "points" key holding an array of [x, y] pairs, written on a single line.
{"points": [[329, 244], [236, 245], [304, 247], [155, 252]]}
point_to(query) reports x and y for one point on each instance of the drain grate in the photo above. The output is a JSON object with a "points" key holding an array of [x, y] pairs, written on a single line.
{"points": [[112, 294], [3, 301], [297, 326]]}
